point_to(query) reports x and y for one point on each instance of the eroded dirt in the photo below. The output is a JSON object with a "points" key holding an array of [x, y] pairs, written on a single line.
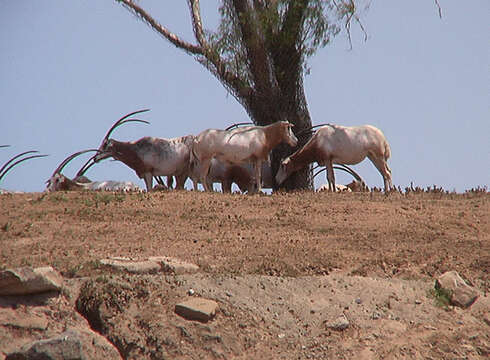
{"points": [[281, 267]]}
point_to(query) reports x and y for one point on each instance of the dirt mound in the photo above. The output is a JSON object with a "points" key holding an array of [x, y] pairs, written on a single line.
{"points": [[285, 270]]}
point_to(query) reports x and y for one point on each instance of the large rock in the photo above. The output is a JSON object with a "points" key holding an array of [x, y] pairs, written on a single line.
{"points": [[174, 266], [461, 294], [132, 266], [197, 309], [24, 281], [66, 346]]}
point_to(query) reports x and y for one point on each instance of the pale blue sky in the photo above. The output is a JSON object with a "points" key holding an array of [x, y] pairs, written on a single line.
{"points": [[69, 69]]}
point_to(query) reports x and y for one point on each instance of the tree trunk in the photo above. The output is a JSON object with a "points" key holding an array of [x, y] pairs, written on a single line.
{"points": [[292, 108]]}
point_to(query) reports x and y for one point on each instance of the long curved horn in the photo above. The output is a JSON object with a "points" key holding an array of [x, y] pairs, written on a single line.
{"points": [[238, 124], [16, 157], [123, 120], [325, 169], [310, 129], [4, 172], [70, 158], [343, 168], [352, 172], [90, 162]]}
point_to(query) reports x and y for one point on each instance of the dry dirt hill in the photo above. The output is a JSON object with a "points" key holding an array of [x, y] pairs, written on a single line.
{"points": [[285, 270]]}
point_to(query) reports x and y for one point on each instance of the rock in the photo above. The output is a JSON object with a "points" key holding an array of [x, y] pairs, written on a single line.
{"points": [[341, 323], [131, 266], [24, 281], [12, 319], [197, 309], [66, 346], [174, 266], [461, 294]]}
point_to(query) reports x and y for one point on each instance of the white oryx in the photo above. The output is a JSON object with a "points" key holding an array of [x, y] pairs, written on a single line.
{"points": [[59, 182], [250, 144], [149, 156], [335, 144]]}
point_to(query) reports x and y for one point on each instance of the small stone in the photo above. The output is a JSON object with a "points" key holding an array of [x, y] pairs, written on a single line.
{"points": [[341, 323], [358, 301], [197, 309], [191, 292], [376, 315]]}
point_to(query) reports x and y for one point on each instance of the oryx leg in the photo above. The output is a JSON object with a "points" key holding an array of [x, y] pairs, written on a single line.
{"points": [[258, 175], [148, 178], [205, 165], [226, 186], [170, 182], [384, 170], [330, 175], [180, 182]]}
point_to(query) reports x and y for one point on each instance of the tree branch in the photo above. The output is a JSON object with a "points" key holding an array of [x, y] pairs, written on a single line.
{"points": [[293, 22], [174, 39], [197, 22]]}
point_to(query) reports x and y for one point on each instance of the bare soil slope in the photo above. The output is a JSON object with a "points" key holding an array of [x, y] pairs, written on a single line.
{"points": [[281, 267]]}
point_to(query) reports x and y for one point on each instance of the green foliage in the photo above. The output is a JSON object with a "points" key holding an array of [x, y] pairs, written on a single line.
{"points": [[441, 296], [6, 227], [303, 25], [104, 198], [58, 197]]}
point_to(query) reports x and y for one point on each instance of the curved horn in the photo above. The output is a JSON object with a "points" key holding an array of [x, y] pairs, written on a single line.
{"points": [[2, 174], [352, 172], [343, 168], [123, 120], [310, 129], [16, 157], [70, 158], [238, 124], [90, 162], [2, 146]]}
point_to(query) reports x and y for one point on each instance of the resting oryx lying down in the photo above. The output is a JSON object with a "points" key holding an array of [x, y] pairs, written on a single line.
{"points": [[150, 156], [59, 182], [335, 144], [250, 144]]}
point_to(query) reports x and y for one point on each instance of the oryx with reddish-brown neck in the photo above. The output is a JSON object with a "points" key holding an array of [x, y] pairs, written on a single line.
{"points": [[59, 182], [335, 144], [249, 144], [150, 156]]}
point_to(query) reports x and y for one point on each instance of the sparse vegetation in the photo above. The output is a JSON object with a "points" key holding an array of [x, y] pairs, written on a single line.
{"points": [[441, 296]]}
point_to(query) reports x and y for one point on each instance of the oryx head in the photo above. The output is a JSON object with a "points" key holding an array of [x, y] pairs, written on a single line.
{"points": [[56, 181], [104, 148]]}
